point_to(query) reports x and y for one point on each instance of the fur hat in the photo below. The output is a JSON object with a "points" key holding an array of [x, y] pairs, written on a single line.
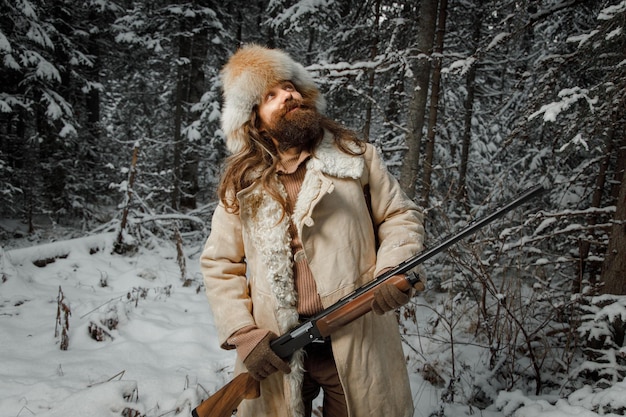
{"points": [[249, 73]]}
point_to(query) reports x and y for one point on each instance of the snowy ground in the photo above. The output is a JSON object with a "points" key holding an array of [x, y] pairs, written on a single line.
{"points": [[158, 355]]}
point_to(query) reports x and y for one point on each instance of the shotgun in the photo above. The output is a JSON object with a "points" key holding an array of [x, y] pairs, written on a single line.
{"points": [[225, 401]]}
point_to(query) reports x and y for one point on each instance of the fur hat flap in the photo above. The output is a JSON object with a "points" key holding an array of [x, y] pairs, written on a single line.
{"points": [[250, 72]]}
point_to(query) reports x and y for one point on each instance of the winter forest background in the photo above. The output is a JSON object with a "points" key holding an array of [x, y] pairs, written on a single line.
{"points": [[109, 125]]}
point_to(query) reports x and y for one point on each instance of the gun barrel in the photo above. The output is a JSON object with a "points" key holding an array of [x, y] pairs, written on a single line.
{"points": [[472, 227]]}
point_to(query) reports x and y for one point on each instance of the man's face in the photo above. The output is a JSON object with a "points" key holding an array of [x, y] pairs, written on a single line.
{"points": [[278, 99], [290, 120]]}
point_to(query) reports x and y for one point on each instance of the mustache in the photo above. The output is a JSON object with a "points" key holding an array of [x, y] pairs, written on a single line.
{"points": [[295, 104]]}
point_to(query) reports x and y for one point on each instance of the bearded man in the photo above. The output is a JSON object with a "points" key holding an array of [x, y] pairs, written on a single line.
{"points": [[307, 214]]}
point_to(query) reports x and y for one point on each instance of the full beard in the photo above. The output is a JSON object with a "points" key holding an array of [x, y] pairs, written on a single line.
{"points": [[300, 129]]}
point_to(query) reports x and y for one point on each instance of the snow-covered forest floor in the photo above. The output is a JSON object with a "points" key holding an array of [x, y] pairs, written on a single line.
{"points": [[140, 343]]}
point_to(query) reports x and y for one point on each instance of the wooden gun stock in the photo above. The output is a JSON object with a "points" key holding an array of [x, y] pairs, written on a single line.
{"points": [[225, 401]]}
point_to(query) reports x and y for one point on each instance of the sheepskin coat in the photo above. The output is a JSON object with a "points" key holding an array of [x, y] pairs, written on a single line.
{"points": [[247, 269]]}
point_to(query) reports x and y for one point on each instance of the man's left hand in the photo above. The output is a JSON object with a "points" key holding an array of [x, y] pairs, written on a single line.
{"points": [[387, 297]]}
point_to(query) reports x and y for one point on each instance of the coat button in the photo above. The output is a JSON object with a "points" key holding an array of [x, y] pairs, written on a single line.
{"points": [[308, 222]]}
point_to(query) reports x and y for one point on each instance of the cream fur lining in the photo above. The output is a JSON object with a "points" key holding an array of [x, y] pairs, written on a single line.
{"points": [[271, 236]]}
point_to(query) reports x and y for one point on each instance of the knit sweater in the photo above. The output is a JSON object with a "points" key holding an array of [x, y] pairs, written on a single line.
{"points": [[291, 174]]}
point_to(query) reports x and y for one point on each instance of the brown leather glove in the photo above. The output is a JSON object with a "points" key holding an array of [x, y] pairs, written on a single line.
{"points": [[387, 297], [261, 362]]}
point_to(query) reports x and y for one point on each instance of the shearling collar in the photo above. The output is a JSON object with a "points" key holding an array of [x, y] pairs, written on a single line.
{"points": [[331, 161], [327, 159]]}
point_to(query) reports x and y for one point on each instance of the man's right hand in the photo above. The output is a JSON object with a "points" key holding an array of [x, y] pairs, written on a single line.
{"points": [[261, 362]]}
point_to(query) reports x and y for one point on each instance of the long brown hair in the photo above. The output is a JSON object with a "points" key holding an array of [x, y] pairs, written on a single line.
{"points": [[258, 160]]}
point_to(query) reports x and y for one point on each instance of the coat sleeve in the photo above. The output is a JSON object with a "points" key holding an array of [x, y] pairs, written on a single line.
{"points": [[223, 269], [397, 220]]}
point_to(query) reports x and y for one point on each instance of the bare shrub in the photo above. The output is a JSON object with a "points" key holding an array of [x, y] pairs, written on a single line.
{"points": [[62, 326]]}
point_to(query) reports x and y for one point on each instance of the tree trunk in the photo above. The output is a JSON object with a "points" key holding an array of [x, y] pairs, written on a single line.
{"points": [[434, 103], [372, 74], [417, 106], [92, 100], [596, 201], [189, 89], [191, 162], [181, 81], [614, 266], [613, 273], [470, 85]]}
